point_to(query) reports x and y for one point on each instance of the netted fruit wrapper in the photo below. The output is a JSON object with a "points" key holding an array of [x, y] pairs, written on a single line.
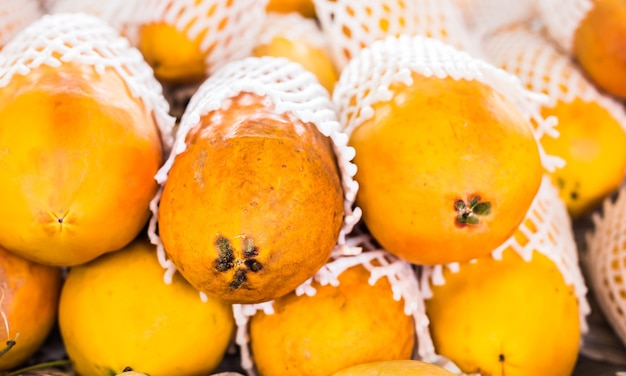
{"points": [[79, 38], [380, 264], [291, 90], [562, 18], [16, 15], [525, 51], [366, 80], [228, 28], [483, 17], [350, 26], [604, 260], [294, 27], [546, 229]]}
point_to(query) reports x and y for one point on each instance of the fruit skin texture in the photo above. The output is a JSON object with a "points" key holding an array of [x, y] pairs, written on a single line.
{"points": [[508, 317], [29, 295], [336, 328], [78, 157], [600, 45], [174, 57], [304, 7], [116, 312], [311, 57], [593, 145], [436, 144], [394, 368], [253, 207]]}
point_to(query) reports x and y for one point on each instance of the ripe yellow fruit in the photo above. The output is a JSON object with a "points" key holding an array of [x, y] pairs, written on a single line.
{"points": [[29, 295], [506, 317], [338, 327], [593, 145], [289, 40], [304, 7], [599, 42], [78, 157], [394, 368], [174, 57], [446, 169], [116, 312], [254, 205]]}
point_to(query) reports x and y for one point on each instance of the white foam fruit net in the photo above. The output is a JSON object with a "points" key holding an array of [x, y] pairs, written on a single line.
{"points": [[485, 16], [381, 264], [546, 229], [294, 27], [562, 18], [291, 90], [350, 26], [83, 39], [229, 28], [527, 53], [15, 15], [604, 261], [366, 80]]}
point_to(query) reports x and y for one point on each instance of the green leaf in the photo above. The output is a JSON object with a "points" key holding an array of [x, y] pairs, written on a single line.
{"points": [[482, 208], [459, 205], [472, 220]]}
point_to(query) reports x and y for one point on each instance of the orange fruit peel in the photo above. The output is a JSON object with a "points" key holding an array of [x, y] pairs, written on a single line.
{"points": [[546, 229], [284, 91], [591, 124], [99, 47], [430, 197], [361, 252], [56, 74], [300, 39], [541, 247]]}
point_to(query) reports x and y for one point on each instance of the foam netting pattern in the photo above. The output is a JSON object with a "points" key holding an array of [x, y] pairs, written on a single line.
{"points": [[79, 38], [15, 15], [229, 28], [381, 264], [546, 229], [605, 261], [562, 18], [526, 52], [352, 25], [367, 78], [483, 17], [294, 27], [291, 90]]}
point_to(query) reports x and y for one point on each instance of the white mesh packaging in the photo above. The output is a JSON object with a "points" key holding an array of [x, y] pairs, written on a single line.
{"points": [[562, 17], [365, 81], [87, 40], [15, 15], [526, 52], [294, 27], [292, 90], [379, 263], [228, 28], [485, 16], [116, 13], [604, 261], [350, 26], [546, 229]]}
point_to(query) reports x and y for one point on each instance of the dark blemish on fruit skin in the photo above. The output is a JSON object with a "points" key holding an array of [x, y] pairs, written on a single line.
{"points": [[239, 279], [253, 265], [470, 211], [226, 260], [501, 358]]}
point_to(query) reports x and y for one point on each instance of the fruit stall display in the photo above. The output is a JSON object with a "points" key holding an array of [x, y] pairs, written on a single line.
{"points": [[312, 187]]}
